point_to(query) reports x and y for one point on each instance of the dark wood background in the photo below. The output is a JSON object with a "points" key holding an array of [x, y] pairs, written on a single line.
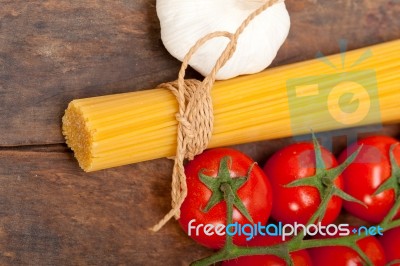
{"points": [[53, 51]]}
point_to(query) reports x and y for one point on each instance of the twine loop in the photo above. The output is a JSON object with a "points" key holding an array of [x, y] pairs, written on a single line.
{"points": [[195, 115]]}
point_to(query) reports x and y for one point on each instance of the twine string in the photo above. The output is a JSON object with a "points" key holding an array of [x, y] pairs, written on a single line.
{"points": [[195, 114]]}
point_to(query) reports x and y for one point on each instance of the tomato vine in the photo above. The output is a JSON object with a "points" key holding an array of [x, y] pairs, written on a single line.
{"points": [[323, 181]]}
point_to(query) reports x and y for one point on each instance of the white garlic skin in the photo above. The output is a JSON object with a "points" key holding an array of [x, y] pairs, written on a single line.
{"points": [[183, 22]]}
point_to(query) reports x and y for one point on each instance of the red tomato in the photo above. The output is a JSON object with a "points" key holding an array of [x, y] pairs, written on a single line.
{"points": [[255, 195], [298, 204], [300, 258], [343, 256], [391, 244], [368, 171]]}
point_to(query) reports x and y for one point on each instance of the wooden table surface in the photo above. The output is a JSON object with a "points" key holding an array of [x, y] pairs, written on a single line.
{"points": [[53, 51]]}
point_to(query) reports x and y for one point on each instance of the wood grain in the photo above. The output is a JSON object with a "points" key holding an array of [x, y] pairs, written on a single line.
{"points": [[54, 214], [51, 213], [319, 25], [54, 51]]}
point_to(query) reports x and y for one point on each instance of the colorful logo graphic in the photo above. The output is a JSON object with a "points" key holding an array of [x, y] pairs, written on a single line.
{"points": [[346, 96], [282, 230]]}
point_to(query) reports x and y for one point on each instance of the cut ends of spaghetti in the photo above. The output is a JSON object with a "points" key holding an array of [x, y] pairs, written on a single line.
{"points": [[78, 135]]}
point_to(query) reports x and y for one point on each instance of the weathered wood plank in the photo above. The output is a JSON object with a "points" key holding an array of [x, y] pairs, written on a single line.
{"points": [[319, 25], [51, 213], [54, 51]]}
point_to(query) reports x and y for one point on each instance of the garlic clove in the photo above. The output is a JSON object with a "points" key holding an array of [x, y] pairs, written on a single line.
{"points": [[183, 22]]}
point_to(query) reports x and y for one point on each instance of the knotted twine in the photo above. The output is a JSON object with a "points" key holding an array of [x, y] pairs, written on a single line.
{"points": [[195, 115]]}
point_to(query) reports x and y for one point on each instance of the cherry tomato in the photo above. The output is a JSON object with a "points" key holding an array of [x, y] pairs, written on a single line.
{"points": [[298, 204], [343, 256], [367, 172], [255, 194], [299, 258], [391, 244]]}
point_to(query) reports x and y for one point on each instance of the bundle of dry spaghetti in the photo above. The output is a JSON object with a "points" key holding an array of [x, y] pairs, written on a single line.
{"points": [[355, 88]]}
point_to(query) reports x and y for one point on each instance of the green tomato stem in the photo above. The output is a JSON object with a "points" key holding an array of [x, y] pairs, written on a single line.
{"points": [[327, 189], [389, 217], [229, 199]]}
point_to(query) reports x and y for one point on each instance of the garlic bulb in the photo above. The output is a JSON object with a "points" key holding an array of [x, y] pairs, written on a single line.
{"points": [[183, 22]]}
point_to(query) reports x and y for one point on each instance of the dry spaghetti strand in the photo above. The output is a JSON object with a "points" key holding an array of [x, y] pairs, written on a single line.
{"points": [[195, 117], [114, 130]]}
